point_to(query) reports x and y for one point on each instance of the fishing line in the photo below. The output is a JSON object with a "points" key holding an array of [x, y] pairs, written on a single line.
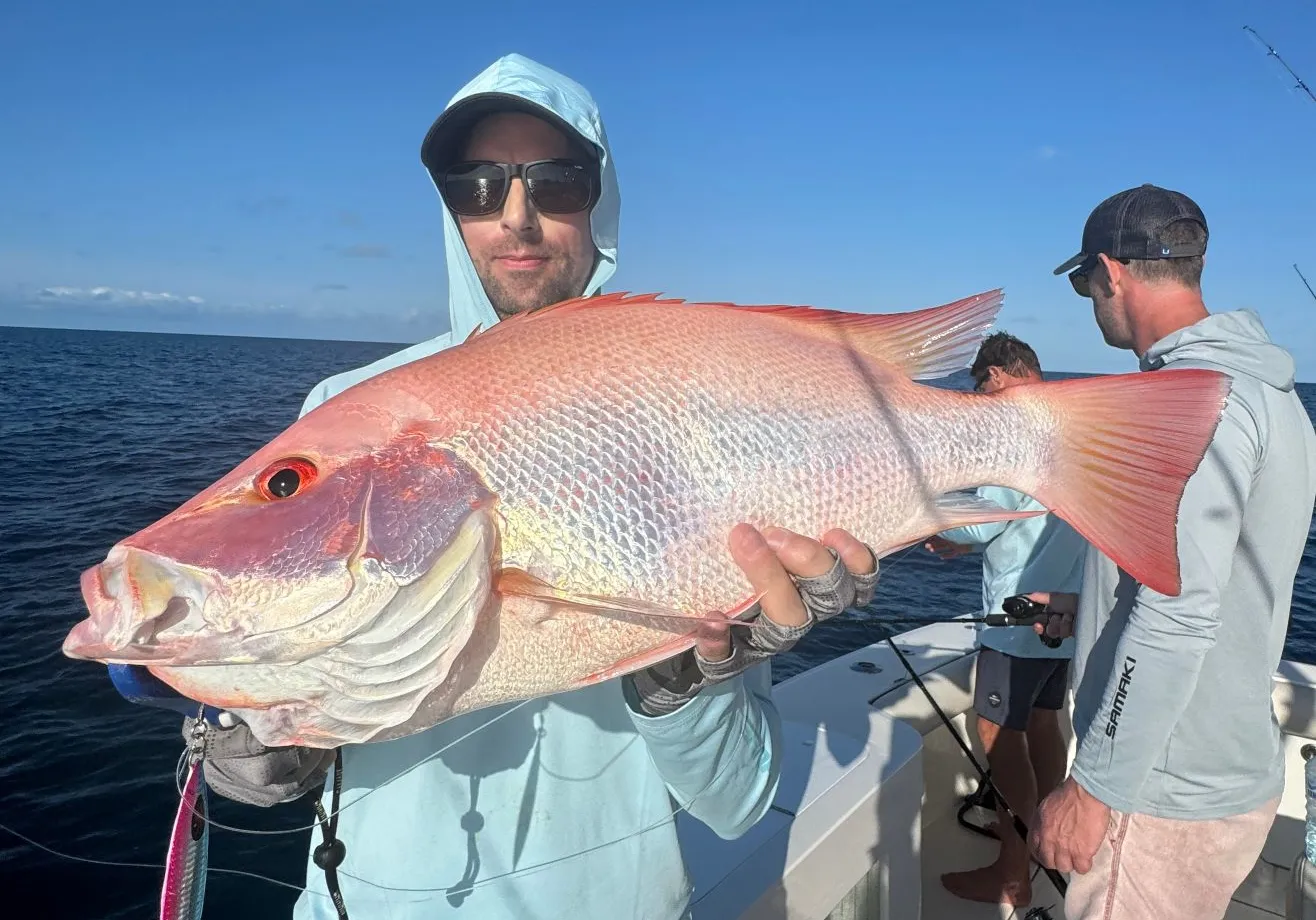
{"points": [[181, 769], [885, 566], [135, 865], [538, 867]]}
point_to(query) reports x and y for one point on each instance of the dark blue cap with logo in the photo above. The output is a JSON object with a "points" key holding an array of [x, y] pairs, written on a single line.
{"points": [[1130, 224]]}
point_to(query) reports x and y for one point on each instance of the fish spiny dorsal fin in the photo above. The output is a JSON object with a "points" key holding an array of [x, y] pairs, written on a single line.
{"points": [[575, 304], [923, 344]]}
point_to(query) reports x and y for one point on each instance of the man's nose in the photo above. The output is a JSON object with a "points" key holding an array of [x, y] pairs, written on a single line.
{"points": [[520, 215]]}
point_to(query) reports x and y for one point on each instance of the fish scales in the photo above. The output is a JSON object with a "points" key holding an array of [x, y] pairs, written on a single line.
{"points": [[624, 479]]}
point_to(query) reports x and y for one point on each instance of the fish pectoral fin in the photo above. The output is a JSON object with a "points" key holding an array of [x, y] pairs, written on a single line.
{"points": [[521, 583], [958, 509]]}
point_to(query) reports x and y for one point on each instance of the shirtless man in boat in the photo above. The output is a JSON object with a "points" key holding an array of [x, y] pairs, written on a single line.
{"points": [[1180, 762], [1020, 682]]}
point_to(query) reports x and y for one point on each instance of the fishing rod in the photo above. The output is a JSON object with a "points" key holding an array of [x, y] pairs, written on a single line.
{"points": [[1304, 280], [1271, 52], [1019, 611], [1029, 618]]}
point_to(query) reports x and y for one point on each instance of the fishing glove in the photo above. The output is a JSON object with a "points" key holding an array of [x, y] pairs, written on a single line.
{"points": [[666, 687], [239, 767]]}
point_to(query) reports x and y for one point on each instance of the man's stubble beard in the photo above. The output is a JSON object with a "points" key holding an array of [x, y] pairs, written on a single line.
{"points": [[553, 290], [557, 287]]}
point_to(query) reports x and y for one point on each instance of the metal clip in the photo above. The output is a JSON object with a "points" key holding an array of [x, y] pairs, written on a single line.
{"points": [[196, 742]]}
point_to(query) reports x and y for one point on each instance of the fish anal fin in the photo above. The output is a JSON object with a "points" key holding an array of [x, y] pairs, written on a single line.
{"points": [[518, 582], [960, 509]]}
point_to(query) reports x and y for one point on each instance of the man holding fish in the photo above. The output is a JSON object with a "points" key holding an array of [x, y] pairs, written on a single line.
{"points": [[581, 492], [1180, 761], [567, 782]]}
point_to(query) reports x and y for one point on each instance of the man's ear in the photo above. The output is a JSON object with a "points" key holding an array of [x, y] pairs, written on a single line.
{"points": [[1115, 273]]}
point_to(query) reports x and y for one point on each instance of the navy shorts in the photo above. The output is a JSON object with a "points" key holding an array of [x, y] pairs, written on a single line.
{"points": [[1008, 687]]}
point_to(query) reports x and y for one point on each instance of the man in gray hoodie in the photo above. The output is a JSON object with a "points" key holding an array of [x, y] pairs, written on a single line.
{"points": [[1179, 766]]}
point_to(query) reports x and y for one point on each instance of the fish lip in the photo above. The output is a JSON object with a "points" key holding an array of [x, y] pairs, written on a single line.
{"points": [[113, 630]]}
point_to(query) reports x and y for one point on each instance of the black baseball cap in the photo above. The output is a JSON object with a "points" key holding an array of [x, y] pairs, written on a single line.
{"points": [[1128, 225], [446, 138]]}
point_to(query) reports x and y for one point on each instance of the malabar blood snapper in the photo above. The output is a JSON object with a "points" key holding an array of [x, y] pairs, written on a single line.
{"points": [[548, 504]]}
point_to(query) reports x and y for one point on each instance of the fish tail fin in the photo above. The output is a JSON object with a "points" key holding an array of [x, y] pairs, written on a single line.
{"points": [[1124, 448]]}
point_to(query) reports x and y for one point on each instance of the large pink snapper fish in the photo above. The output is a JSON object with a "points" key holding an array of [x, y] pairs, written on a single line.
{"points": [[548, 504]]}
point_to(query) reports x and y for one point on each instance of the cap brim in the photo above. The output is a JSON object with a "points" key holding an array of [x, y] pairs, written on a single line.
{"points": [[439, 149], [1071, 264]]}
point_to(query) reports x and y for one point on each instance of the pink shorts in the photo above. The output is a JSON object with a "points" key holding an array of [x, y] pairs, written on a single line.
{"points": [[1169, 869]]}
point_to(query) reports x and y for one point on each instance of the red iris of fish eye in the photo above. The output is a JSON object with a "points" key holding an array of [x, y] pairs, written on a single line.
{"points": [[275, 481]]}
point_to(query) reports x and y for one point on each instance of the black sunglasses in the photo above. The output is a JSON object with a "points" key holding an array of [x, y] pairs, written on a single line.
{"points": [[478, 187], [1080, 277]]}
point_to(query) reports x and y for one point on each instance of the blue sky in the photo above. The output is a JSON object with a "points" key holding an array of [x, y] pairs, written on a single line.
{"points": [[253, 168]]}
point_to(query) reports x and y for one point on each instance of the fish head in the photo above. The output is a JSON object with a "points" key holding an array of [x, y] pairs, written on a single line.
{"points": [[349, 533]]}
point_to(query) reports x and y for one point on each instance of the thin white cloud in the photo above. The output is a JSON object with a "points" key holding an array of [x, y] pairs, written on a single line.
{"points": [[1047, 152], [107, 300], [103, 307], [108, 295]]}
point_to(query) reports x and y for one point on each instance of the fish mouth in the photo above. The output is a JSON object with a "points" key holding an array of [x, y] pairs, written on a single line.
{"points": [[134, 599]]}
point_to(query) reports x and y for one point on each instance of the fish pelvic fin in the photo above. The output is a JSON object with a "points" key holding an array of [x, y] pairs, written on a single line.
{"points": [[1124, 449], [513, 581]]}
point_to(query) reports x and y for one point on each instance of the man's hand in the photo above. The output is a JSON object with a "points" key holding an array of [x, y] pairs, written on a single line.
{"points": [[1068, 828], [1063, 607], [946, 549], [801, 582], [769, 559]]}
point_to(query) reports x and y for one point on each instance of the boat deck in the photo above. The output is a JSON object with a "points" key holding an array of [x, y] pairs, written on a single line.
{"points": [[950, 848], [864, 821]]}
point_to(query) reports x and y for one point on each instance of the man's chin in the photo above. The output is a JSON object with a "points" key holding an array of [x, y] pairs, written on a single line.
{"points": [[510, 297]]}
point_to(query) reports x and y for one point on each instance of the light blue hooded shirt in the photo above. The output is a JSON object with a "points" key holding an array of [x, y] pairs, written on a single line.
{"points": [[1040, 553], [1172, 700], [564, 807]]}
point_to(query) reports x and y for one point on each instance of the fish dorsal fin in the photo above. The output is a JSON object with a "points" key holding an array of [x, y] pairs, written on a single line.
{"points": [[576, 304], [923, 344], [521, 583]]}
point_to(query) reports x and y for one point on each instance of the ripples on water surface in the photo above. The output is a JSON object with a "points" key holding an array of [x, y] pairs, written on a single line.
{"points": [[104, 433]]}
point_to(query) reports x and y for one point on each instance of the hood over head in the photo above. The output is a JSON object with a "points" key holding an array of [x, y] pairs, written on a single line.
{"points": [[514, 82], [1236, 340]]}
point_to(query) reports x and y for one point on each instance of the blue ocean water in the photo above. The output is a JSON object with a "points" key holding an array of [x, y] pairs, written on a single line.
{"points": [[103, 433]]}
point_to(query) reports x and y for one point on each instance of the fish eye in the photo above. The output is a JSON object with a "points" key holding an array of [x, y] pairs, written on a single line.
{"points": [[285, 478]]}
